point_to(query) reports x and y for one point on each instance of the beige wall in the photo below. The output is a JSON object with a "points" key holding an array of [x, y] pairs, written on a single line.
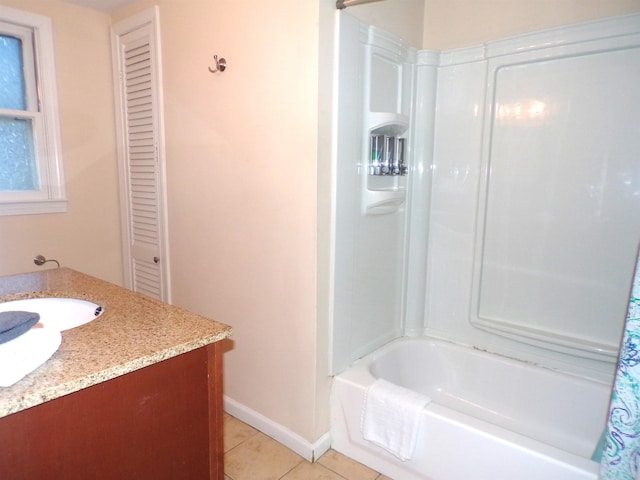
{"points": [[86, 238], [447, 24], [241, 151], [461, 23], [400, 17]]}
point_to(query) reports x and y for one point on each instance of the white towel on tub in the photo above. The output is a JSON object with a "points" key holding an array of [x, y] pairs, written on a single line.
{"points": [[22, 355], [391, 417]]}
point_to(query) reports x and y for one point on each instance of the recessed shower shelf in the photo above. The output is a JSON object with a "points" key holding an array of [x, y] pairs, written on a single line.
{"points": [[383, 201], [384, 191], [386, 123]]}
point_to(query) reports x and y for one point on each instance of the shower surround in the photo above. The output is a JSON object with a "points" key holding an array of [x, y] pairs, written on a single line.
{"points": [[514, 230]]}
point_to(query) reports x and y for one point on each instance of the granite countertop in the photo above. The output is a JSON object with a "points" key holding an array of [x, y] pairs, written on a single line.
{"points": [[133, 332]]}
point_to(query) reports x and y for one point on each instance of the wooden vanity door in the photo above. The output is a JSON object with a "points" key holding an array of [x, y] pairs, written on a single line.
{"points": [[160, 422]]}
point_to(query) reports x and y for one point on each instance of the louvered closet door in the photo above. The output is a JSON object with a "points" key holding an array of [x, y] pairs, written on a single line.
{"points": [[141, 178]]}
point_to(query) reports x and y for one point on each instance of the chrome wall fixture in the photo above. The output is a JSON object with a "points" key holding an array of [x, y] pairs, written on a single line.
{"points": [[220, 65], [387, 156], [342, 4], [40, 260]]}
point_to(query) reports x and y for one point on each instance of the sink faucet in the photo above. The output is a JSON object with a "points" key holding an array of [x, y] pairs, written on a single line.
{"points": [[40, 260]]}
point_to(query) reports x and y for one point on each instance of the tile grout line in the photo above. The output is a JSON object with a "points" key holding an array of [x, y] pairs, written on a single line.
{"points": [[291, 469], [333, 471], [242, 442], [302, 460]]}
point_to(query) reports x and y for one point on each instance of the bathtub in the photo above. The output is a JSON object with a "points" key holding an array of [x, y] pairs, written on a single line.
{"points": [[490, 418]]}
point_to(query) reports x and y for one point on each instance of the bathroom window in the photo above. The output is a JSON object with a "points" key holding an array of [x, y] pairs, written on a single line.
{"points": [[31, 179]]}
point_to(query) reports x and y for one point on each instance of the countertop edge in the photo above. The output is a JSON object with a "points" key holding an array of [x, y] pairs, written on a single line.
{"points": [[75, 385], [146, 332]]}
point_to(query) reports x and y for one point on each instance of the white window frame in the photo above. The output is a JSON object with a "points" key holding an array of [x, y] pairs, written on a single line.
{"points": [[36, 32]]}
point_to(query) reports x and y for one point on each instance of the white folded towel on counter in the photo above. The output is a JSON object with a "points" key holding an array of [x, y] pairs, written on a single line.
{"points": [[391, 417], [22, 355]]}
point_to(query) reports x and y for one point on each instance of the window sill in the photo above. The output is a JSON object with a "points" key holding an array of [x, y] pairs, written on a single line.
{"points": [[33, 208]]}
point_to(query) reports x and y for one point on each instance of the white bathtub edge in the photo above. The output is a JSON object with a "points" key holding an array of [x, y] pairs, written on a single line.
{"points": [[445, 433], [309, 451]]}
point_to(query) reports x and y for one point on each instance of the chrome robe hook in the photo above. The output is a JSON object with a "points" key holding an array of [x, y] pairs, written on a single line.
{"points": [[221, 65]]}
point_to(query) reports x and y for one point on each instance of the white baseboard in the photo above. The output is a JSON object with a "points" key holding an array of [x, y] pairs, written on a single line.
{"points": [[291, 440]]}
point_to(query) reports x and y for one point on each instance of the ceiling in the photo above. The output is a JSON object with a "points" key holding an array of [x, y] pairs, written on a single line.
{"points": [[106, 6]]}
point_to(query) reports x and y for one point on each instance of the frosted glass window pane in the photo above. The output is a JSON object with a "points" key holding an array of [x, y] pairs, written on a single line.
{"points": [[31, 179], [12, 91], [18, 169]]}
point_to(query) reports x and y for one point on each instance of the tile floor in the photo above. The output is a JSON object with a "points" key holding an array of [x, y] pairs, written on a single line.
{"points": [[252, 455]]}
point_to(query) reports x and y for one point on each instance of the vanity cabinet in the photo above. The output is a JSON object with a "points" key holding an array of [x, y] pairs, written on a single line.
{"points": [[163, 421]]}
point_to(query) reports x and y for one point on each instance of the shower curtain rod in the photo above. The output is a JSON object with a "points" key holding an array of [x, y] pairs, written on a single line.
{"points": [[341, 4]]}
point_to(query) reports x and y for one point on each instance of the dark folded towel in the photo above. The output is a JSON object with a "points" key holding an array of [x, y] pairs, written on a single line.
{"points": [[14, 324]]}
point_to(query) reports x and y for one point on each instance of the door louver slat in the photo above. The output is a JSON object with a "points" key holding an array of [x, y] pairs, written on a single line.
{"points": [[141, 146]]}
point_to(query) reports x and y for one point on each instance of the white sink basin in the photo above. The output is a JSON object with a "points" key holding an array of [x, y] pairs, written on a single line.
{"points": [[58, 313]]}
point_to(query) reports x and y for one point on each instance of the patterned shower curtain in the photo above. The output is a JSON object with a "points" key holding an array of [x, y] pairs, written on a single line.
{"points": [[621, 455]]}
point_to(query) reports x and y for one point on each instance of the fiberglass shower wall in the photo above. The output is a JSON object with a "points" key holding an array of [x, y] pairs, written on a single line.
{"points": [[535, 214], [518, 221], [373, 166]]}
